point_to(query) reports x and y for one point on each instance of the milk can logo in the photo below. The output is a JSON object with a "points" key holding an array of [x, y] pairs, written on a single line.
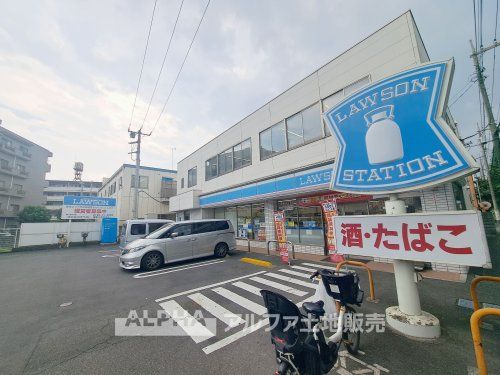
{"points": [[393, 136]]}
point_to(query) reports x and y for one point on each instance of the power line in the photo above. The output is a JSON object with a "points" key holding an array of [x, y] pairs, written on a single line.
{"points": [[162, 64], [142, 65], [180, 70], [462, 94]]}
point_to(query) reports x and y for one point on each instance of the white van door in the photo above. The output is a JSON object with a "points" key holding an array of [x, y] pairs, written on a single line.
{"points": [[136, 231]]}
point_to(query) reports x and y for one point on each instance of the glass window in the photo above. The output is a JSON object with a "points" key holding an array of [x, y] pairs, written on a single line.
{"points": [[266, 145], [219, 213], [259, 222], [292, 225], [137, 229], [205, 227], [155, 226], [246, 152], [143, 182], [226, 161], [182, 230], [220, 225], [232, 216], [294, 130], [245, 228], [192, 176], [311, 123], [182, 183], [330, 101], [311, 226], [237, 156], [278, 137], [211, 168]]}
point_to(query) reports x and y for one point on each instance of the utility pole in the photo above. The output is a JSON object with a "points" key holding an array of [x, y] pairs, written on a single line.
{"points": [[137, 153], [488, 176], [486, 101]]}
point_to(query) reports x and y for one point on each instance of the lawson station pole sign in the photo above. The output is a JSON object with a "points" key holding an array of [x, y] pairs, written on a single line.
{"points": [[393, 137], [88, 207]]}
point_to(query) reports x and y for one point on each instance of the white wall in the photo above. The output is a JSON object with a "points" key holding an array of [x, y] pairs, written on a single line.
{"points": [[33, 234], [395, 47]]}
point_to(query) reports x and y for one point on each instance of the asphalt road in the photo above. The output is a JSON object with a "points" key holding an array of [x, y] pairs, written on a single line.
{"points": [[38, 336]]}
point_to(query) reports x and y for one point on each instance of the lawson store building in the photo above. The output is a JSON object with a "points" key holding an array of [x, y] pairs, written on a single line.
{"points": [[281, 156]]}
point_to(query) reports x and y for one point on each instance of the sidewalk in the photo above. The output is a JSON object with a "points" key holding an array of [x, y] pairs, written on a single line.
{"points": [[374, 266]]}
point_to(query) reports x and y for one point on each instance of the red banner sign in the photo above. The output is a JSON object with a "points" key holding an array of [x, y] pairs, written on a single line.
{"points": [[279, 225], [330, 210]]}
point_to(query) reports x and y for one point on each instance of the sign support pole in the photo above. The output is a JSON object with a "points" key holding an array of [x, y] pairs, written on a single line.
{"points": [[408, 318], [69, 232]]}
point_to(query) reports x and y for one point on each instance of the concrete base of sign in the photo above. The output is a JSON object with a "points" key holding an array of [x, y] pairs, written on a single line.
{"points": [[420, 327]]}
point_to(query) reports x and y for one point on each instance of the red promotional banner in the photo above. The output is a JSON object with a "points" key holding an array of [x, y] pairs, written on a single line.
{"points": [[279, 225], [329, 208]]}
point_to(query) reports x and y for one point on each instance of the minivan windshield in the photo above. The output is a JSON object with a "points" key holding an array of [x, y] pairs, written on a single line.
{"points": [[160, 231]]}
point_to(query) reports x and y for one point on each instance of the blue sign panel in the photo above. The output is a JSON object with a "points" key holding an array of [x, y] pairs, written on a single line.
{"points": [[87, 207], [298, 182], [392, 135], [109, 230]]}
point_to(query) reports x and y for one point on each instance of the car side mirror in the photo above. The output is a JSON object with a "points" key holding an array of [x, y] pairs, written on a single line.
{"points": [[174, 235]]}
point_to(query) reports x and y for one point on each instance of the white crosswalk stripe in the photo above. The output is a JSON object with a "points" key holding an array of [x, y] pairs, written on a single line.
{"points": [[248, 288], [291, 280], [242, 301], [240, 298], [274, 284], [295, 273], [319, 266], [312, 270], [232, 320], [187, 322]]}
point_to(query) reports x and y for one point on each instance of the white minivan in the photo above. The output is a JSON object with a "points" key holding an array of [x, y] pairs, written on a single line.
{"points": [[138, 228]]}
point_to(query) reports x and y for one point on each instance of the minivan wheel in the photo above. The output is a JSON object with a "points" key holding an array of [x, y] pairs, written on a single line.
{"points": [[221, 250], [152, 261]]}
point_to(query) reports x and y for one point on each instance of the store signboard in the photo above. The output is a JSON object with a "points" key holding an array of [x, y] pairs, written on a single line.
{"points": [[87, 207], [330, 210], [279, 225], [449, 237], [393, 135]]}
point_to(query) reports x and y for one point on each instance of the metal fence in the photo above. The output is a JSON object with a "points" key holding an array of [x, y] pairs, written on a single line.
{"points": [[9, 239]]}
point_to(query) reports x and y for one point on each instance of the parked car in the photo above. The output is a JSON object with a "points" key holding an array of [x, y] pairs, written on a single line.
{"points": [[139, 228], [179, 241]]}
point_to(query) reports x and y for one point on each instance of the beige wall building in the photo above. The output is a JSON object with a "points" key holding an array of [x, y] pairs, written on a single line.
{"points": [[156, 186]]}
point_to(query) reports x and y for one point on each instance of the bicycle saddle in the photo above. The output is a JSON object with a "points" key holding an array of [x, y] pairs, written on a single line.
{"points": [[314, 308]]}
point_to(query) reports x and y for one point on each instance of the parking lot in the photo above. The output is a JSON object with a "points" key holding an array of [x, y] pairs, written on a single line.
{"points": [[59, 308]]}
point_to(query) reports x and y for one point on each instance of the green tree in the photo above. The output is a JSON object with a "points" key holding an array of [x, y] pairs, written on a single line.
{"points": [[34, 214]]}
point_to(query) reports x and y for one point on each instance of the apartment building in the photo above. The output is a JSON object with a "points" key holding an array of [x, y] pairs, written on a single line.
{"points": [[156, 187], [23, 166], [55, 190]]}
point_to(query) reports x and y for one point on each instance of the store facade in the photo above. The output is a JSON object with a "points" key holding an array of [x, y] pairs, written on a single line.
{"points": [[281, 156]]}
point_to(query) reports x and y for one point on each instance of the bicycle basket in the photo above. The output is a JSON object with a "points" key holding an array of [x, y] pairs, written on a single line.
{"points": [[342, 286]]}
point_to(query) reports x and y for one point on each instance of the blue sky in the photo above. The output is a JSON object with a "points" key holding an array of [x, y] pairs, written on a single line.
{"points": [[69, 69]]}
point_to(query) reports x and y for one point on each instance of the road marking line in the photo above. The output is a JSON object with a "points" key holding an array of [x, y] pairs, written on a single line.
{"points": [[312, 270], [207, 286], [242, 301], [170, 270], [291, 280], [231, 319], [319, 266], [234, 337], [295, 273], [181, 266], [187, 322], [248, 288], [279, 286]]}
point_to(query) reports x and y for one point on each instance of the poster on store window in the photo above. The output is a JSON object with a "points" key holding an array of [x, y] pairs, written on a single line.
{"points": [[330, 210], [279, 225]]}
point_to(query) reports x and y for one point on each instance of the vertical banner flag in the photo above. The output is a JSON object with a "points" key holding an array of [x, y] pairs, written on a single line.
{"points": [[329, 208], [279, 225]]}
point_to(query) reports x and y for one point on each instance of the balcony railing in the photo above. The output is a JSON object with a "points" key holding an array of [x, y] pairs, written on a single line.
{"points": [[26, 154], [6, 167], [24, 173]]}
